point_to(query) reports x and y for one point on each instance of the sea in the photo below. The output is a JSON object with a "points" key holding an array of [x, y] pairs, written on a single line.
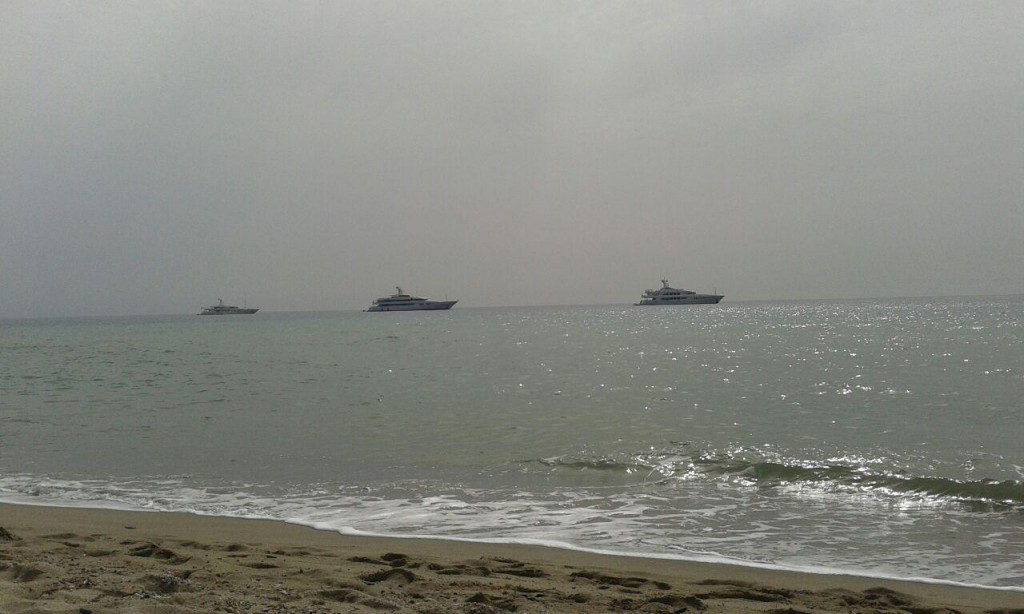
{"points": [[880, 438]]}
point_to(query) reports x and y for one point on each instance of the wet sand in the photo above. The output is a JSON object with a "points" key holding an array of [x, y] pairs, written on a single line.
{"points": [[78, 560]]}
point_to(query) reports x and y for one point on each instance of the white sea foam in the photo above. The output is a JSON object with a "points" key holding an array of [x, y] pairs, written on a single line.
{"points": [[568, 522]]}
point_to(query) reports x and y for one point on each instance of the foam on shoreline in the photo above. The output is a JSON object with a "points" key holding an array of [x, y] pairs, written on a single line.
{"points": [[122, 560]]}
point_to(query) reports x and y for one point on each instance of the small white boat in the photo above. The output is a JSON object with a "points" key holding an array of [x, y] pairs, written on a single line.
{"points": [[407, 302], [220, 309]]}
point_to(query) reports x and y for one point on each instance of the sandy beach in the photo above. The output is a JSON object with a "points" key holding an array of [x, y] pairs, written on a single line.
{"points": [[79, 560]]}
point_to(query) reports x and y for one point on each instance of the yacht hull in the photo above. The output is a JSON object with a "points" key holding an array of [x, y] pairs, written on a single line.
{"points": [[233, 312], [428, 306], [708, 299]]}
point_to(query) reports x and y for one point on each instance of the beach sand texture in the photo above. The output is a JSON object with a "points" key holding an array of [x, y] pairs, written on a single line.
{"points": [[82, 560]]}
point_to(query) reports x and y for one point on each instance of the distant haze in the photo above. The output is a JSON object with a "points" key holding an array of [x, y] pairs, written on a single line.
{"points": [[155, 156]]}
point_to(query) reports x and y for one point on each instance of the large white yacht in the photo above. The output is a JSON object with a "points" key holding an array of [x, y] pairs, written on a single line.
{"points": [[220, 309], [667, 295], [407, 302]]}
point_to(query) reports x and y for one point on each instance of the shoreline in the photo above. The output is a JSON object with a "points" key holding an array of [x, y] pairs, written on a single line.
{"points": [[70, 559]]}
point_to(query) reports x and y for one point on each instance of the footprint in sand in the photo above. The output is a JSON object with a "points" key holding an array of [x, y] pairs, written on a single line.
{"points": [[627, 582], [390, 576], [19, 573], [357, 597], [154, 551]]}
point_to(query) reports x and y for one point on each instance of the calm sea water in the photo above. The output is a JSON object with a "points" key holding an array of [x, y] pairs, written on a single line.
{"points": [[881, 438]]}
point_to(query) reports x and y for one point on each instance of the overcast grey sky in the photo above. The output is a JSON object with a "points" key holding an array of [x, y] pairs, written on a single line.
{"points": [[155, 156]]}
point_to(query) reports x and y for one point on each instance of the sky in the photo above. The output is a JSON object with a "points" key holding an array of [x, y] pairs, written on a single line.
{"points": [[156, 156]]}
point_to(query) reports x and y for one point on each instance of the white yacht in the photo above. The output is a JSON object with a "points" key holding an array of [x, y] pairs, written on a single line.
{"points": [[220, 309], [667, 295], [407, 302]]}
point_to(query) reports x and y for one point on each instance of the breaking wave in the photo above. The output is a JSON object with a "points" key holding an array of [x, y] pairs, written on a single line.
{"points": [[762, 473]]}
